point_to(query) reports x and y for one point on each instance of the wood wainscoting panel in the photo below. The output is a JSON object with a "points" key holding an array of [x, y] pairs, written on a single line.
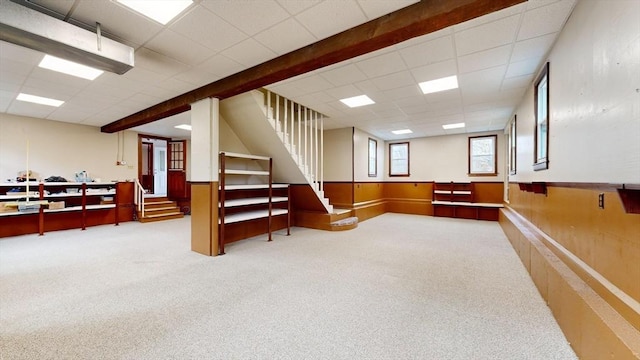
{"points": [[409, 197], [368, 191], [596, 327], [340, 194], [303, 198], [204, 218], [488, 192], [605, 239]]}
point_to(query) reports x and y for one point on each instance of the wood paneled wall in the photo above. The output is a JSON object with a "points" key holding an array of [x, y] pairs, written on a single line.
{"points": [[369, 199], [595, 326], [607, 240]]}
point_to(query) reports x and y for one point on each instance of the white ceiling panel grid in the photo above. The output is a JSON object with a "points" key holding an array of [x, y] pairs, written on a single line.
{"points": [[494, 56]]}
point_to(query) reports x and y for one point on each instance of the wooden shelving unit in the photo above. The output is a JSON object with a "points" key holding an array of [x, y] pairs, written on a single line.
{"points": [[246, 204], [456, 199], [78, 203]]}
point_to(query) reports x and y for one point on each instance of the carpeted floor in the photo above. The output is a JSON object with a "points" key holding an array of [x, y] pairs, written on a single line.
{"points": [[396, 287]]}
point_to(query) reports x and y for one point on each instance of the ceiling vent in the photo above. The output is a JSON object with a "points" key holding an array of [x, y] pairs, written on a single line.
{"points": [[31, 29]]}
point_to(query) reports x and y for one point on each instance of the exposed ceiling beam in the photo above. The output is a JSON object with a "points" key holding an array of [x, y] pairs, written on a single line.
{"points": [[415, 20]]}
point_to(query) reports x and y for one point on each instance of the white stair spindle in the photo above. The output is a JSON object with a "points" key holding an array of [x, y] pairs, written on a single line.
{"points": [[269, 116], [306, 140], [322, 153], [315, 127], [277, 113], [299, 134], [285, 128]]}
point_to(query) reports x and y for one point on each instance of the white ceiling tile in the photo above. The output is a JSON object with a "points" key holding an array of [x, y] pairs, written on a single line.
{"points": [[447, 96], [142, 75], [533, 48], [428, 52], [331, 17], [532, 4], [482, 80], [382, 65], [545, 20], [487, 36], [153, 61], [401, 93], [179, 47], [491, 17], [376, 8], [250, 18], [524, 67], [69, 115], [10, 86], [118, 20], [221, 66], [56, 90], [343, 75], [311, 84], [392, 81], [249, 53], [29, 109], [175, 85], [517, 82], [435, 71], [15, 67], [285, 37], [296, 6], [207, 29], [310, 100], [197, 77], [484, 59], [344, 92]]}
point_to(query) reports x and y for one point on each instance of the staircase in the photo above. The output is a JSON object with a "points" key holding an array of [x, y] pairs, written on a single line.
{"points": [[158, 209], [283, 130]]}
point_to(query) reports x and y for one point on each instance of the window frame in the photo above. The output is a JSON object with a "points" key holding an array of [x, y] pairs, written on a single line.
{"points": [[512, 147], [391, 172], [494, 138], [372, 155], [541, 162]]}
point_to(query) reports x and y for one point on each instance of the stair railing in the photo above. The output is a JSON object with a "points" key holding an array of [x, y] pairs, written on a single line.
{"points": [[138, 198], [301, 130]]}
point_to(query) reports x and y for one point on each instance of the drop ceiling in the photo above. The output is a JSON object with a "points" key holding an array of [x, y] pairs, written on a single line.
{"points": [[495, 58]]}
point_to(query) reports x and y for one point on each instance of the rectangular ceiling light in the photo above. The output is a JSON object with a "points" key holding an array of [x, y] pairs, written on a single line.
{"points": [[356, 101], [39, 100], [402, 132], [446, 83], [453, 126], [69, 67], [161, 11], [183, 127]]}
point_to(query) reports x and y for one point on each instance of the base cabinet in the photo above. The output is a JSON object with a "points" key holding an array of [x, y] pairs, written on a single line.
{"points": [[42, 207]]}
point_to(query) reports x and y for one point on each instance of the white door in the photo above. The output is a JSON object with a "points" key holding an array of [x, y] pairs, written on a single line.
{"points": [[160, 169]]}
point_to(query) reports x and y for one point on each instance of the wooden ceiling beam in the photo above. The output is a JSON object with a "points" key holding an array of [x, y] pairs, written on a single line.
{"points": [[415, 20]]}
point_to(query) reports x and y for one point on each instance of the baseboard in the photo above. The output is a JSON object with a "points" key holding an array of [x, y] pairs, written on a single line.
{"points": [[594, 328]]}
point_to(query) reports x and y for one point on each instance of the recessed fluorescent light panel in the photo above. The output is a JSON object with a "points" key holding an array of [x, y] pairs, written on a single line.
{"points": [[161, 11], [356, 101], [39, 100], [453, 126], [446, 83], [69, 67], [402, 132], [183, 127]]}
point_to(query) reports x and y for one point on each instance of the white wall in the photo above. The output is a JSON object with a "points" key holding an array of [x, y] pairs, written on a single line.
{"points": [[361, 156], [594, 99], [337, 154], [443, 158], [62, 149]]}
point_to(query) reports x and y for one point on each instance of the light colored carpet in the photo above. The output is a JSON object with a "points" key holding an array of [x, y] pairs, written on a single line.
{"points": [[397, 287]]}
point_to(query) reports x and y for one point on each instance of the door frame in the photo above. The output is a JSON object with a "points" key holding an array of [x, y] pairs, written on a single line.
{"points": [[141, 139]]}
